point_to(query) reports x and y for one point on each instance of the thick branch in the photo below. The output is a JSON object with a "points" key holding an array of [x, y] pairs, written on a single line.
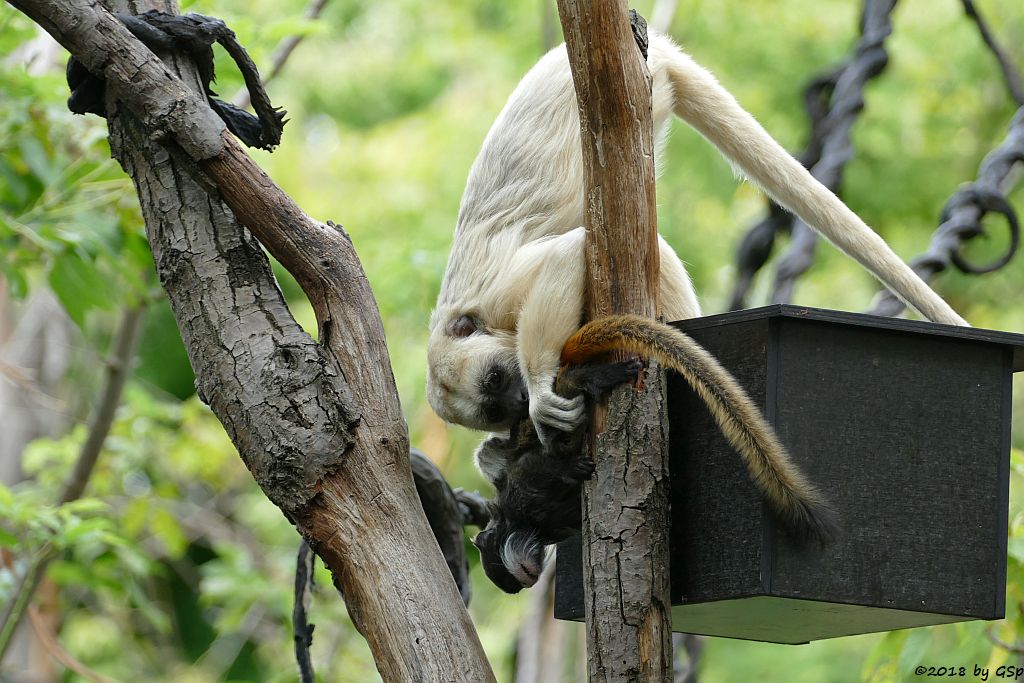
{"points": [[625, 527], [318, 425]]}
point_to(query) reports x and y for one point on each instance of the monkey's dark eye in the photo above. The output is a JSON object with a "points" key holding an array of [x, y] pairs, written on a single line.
{"points": [[463, 326], [494, 381]]}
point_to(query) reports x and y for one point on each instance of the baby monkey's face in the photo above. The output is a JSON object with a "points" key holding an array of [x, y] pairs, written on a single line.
{"points": [[511, 558]]}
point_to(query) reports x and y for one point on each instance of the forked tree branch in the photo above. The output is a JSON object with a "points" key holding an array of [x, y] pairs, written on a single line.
{"points": [[318, 424]]}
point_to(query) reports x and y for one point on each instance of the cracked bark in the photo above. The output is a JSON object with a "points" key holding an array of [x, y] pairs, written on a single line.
{"points": [[318, 424], [625, 527]]}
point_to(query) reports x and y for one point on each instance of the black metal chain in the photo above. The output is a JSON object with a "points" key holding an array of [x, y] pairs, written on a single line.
{"points": [[833, 102], [961, 219], [828, 150]]}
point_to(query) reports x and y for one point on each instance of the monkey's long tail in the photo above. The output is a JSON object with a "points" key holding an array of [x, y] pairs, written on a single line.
{"points": [[794, 499], [708, 107]]}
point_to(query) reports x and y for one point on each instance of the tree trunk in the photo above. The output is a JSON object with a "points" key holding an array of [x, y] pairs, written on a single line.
{"points": [[317, 423], [626, 504]]}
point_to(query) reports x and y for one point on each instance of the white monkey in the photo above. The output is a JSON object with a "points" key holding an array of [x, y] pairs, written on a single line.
{"points": [[513, 290]]}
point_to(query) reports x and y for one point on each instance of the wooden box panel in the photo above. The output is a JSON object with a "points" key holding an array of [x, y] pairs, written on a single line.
{"points": [[904, 425]]}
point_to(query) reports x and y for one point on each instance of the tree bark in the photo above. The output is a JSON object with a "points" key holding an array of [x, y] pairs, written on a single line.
{"points": [[625, 527], [318, 424]]}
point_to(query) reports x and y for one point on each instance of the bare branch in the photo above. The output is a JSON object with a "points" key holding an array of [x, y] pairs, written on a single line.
{"points": [[1011, 74], [57, 651], [1015, 648], [118, 368]]}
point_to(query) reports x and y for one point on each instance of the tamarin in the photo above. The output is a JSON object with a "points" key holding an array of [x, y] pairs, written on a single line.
{"points": [[538, 485], [538, 501], [512, 292]]}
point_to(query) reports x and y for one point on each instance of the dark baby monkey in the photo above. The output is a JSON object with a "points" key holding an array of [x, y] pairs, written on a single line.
{"points": [[538, 485]]}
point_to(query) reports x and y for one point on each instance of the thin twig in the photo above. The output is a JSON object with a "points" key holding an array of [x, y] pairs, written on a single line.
{"points": [[57, 651], [118, 367], [1016, 648], [23, 591], [303, 630], [281, 54]]}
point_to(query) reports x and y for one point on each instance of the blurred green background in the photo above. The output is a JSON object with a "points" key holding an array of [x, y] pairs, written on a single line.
{"points": [[176, 568]]}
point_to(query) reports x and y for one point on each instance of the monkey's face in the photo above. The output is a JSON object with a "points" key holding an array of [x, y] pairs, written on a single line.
{"points": [[473, 376], [512, 558]]}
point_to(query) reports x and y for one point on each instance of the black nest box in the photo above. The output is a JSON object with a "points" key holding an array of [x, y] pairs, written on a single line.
{"points": [[904, 425]]}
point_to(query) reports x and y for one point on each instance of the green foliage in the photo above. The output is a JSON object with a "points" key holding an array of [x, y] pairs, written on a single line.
{"points": [[66, 211], [176, 568]]}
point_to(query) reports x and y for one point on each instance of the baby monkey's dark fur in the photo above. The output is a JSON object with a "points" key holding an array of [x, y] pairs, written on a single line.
{"points": [[538, 485]]}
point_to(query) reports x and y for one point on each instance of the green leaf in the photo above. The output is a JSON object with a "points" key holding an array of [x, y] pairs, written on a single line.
{"points": [[134, 516], [166, 528], [84, 531], [65, 573], [914, 648], [38, 160], [79, 285], [7, 539], [86, 506]]}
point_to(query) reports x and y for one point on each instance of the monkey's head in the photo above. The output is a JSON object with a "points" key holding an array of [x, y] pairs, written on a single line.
{"points": [[512, 552], [512, 558], [473, 376]]}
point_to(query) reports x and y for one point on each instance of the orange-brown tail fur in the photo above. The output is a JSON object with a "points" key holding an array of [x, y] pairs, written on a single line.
{"points": [[793, 498]]}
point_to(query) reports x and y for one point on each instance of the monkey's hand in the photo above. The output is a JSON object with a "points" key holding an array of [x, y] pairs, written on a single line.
{"points": [[551, 412]]}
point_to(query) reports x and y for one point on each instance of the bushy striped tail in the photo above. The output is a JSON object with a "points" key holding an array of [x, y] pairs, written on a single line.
{"points": [[793, 498]]}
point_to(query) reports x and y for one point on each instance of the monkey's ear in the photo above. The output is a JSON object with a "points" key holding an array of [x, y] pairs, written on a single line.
{"points": [[463, 326], [480, 540]]}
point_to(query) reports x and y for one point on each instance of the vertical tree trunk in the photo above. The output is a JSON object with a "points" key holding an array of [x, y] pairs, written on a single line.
{"points": [[625, 528]]}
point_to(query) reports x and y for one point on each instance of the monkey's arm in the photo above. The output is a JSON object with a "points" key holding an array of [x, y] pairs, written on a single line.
{"points": [[552, 271]]}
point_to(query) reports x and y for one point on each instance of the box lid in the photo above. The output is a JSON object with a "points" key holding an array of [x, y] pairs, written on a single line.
{"points": [[1009, 339]]}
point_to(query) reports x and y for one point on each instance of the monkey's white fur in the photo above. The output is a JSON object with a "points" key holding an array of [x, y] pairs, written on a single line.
{"points": [[516, 266]]}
